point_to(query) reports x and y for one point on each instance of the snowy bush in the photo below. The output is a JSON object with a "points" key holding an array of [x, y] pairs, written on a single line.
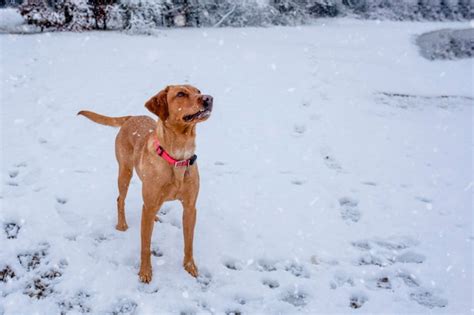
{"points": [[103, 11], [77, 15], [114, 17], [73, 15], [434, 10], [298, 12], [238, 13], [140, 16], [37, 12], [447, 44]]}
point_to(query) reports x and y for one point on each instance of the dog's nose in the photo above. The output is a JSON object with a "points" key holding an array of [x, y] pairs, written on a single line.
{"points": [[207, 101]]}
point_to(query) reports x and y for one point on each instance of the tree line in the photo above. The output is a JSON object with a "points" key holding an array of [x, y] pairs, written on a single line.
{"points": [[143, 15]]}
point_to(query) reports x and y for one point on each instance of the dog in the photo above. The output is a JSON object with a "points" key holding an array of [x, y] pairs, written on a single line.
{"points": [[162, 154]]}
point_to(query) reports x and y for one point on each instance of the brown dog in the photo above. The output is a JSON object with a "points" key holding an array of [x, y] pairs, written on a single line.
{"points": [[162, 154]]}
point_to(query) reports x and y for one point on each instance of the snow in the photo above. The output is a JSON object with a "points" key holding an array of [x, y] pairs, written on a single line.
{"points": [[336, 172], [10, 19]]}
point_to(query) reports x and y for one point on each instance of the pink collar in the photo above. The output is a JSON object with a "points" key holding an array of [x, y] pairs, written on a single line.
{"points": [[168, 158]]}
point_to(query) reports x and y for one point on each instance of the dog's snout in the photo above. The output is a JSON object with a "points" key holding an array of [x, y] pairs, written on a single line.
{"points": [[207, 101]]}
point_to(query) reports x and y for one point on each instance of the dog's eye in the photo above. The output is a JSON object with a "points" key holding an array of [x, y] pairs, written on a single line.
{"points": [[181, 94]]}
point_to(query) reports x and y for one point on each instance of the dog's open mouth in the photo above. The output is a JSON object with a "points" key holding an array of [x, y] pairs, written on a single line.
{"points": [[204, 113]]}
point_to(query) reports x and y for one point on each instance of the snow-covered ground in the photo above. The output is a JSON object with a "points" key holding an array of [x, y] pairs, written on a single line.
{"points": [[336, 173]]}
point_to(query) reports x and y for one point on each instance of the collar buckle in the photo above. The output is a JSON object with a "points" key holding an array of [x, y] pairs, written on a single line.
{"points": [[181, 163]]}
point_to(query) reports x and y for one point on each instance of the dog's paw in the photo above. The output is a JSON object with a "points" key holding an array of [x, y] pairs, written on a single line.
{"points": [[121, 227], [191, 268], [145, 274]]}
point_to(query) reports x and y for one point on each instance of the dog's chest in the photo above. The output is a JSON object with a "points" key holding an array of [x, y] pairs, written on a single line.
{"points": [[176, 184]]}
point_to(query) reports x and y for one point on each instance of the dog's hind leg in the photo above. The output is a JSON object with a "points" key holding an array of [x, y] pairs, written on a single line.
{"points": [[125, 174], [124, 155]]}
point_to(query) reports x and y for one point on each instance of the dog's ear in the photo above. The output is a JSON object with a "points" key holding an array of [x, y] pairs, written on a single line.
{"points": [[158, 104]]}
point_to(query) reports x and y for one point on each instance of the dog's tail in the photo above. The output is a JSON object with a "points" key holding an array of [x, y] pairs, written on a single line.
{"points": [[104, 120]]}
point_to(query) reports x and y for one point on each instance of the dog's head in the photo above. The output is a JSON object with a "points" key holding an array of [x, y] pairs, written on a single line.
{"points": [[181, 105]]}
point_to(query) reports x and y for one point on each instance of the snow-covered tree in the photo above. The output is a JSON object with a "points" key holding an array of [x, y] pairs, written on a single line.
{"points": [[141, 16], [77, 15], [74, 15], [433, 10], [102, 12], [37, 12]]}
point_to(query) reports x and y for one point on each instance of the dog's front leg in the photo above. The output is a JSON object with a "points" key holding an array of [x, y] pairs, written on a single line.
{"points": [[151, 205], [189, 221]]}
